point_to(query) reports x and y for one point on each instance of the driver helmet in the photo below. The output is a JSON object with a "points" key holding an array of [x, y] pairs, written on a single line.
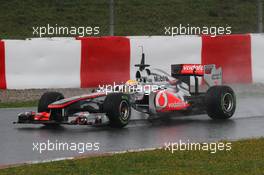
{"points": [[131, 86], [131, 82]]}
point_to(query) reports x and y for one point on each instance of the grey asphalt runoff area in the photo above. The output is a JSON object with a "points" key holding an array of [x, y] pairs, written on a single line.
{"points": [[16, 141]]}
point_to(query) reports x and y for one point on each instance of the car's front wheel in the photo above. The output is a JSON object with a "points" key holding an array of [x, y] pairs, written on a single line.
{"points": [[118, 109], [46, 99]]}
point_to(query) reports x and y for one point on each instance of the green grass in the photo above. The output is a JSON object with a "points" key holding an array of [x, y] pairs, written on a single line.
{"points": [[246, 157], [19, 104], [134, 17]]}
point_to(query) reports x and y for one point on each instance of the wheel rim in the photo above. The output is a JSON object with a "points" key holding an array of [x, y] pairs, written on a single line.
{"points": [[227, 102], [124, 110]]}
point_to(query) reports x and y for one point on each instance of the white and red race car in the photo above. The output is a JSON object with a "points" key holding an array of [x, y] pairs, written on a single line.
{"points": [[153, 92]]}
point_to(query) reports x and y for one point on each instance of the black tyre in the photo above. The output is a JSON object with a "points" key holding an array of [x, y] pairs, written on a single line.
{"points": [[118, 109], [46, 99], [220, 102]]}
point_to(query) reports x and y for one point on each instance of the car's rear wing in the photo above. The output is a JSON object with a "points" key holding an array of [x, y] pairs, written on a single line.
{"points": [[210, 74], [187, 70]]}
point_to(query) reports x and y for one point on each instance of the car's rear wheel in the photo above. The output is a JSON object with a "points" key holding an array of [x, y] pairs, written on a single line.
{"points": [[118, 109], [220, 102], [46, 99]]}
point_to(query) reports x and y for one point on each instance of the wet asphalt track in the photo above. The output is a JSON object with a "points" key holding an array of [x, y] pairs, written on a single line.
{"points": [[16, 141]]}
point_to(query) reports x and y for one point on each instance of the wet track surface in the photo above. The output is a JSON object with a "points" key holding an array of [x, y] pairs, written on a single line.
{"points": [[16, 145]]}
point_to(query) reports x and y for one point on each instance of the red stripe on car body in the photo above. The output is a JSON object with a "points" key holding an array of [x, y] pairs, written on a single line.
{"points": [[85, 97]]}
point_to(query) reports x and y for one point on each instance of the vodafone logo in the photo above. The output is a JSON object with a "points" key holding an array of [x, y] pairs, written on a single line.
{"points": [[168, 101], [197, 67], [161, 100]]}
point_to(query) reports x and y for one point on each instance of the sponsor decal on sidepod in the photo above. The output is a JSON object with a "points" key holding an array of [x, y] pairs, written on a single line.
{"points": [[167, 101]]}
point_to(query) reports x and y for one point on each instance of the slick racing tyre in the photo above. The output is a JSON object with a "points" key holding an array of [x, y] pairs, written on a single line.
{"points": [[220, 102], [46, 99], [118, 109]]}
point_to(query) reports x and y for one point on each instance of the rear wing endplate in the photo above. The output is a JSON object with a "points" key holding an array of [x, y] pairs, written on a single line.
{"points": [[212, 76]]}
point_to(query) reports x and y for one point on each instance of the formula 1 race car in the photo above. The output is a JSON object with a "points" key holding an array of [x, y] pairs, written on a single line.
{"points": [[153, 92]]}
